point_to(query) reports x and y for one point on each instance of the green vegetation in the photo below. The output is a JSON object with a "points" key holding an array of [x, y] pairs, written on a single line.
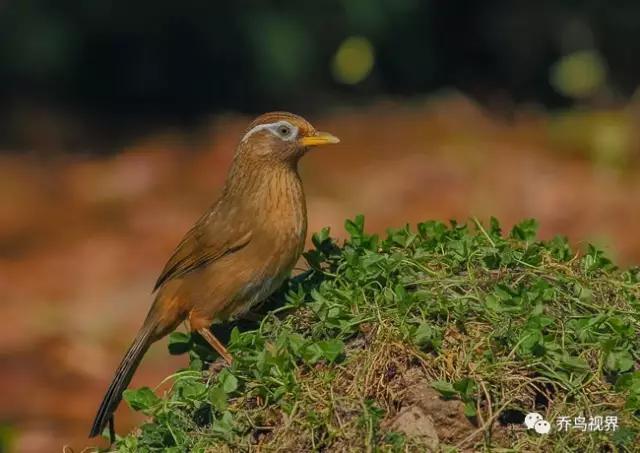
{"points": [[499, 325]]}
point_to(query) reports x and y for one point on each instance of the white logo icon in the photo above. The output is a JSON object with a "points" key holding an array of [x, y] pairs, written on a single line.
{"points": [[542, 427], [531, 419], [534, 421]]}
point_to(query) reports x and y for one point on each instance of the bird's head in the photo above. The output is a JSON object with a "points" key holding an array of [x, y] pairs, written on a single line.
{"points": [[282, 136]]}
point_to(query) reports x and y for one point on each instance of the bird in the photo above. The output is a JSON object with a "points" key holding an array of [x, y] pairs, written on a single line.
{"points": [[238, 253]]}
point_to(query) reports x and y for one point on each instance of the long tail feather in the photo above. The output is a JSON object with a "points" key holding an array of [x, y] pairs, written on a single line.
{"points": [[121, 380]]}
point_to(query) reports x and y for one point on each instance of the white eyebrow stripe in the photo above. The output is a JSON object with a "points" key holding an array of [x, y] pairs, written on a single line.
{"points": [[257, 128], [269, 126]]}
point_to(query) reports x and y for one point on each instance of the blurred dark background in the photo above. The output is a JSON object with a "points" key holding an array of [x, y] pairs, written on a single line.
{"points": [[118, 121], [101, 64]]}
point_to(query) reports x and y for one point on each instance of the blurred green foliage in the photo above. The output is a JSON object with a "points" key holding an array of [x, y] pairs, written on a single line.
{"points": [[7, 436], [194, 57]]}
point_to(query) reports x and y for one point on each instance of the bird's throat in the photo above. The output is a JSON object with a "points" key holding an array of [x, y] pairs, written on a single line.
{"points": [[269, 192]]}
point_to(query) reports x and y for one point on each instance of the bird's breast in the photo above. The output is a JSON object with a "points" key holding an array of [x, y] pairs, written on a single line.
{"points": [[280, 227], [281, 211]]}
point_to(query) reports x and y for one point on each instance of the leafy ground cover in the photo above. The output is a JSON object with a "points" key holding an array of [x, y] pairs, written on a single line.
{"points": [[441, 337]]}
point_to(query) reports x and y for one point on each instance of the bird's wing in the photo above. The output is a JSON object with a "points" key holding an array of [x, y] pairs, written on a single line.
{"points": [[206, 242]]}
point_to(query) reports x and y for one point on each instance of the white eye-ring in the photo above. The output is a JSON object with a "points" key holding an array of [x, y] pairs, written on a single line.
{"points": [[284, 130]]}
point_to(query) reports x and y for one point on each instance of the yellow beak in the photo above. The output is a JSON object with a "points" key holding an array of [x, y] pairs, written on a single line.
{"points": [[320, 138]]}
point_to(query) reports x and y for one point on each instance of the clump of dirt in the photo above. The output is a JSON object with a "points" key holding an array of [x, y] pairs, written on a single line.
{"points": [[447, 416], [415, 424]]}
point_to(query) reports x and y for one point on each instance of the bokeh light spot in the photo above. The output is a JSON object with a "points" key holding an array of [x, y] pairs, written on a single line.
{"points": [[579, 74], [353, 60]]}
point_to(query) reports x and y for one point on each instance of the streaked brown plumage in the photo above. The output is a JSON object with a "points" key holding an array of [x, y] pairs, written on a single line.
{"points": [[239, 252]]}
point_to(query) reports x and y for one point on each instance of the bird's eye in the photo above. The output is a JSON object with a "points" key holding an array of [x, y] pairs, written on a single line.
{"points": [[284, 131]]}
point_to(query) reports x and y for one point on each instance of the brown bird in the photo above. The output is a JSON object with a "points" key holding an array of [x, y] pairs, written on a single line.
{"points": [[238, 253]]}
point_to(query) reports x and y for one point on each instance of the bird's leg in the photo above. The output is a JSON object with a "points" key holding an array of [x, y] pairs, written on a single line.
{"points": [[215, 344], [200, 324]]}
